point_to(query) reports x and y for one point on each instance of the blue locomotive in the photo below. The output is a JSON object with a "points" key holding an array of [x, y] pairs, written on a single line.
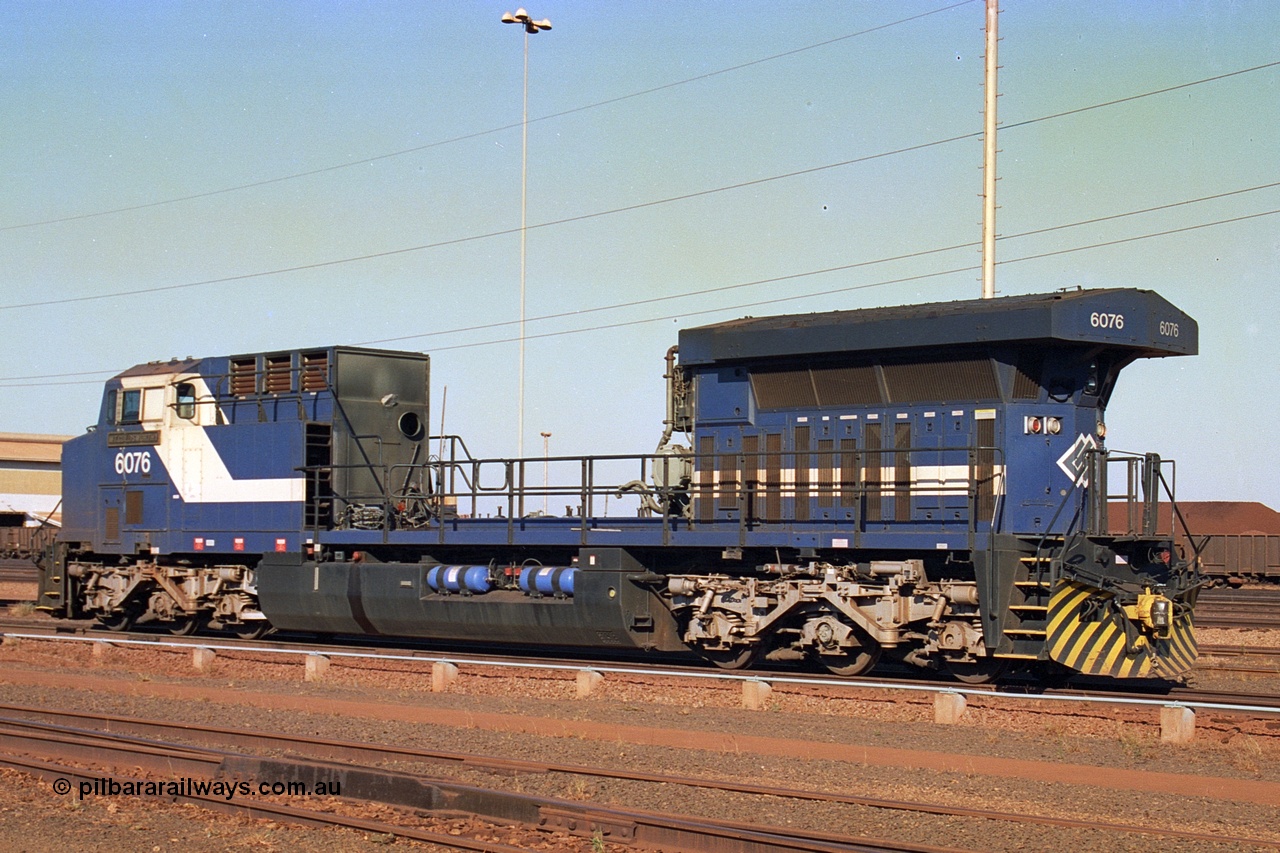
{"points": [[930, 480]]}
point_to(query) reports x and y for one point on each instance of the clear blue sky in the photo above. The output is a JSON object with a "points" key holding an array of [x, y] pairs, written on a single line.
{"points": [[110, 105]]}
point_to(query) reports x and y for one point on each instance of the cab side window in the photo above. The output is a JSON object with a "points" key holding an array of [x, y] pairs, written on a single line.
{"points": [[186, 404], [130, 407]]}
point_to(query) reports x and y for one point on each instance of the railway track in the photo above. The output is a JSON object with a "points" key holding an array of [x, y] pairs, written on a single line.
{"points": [[1247, 607], [378, 652], [1244, 660], [1230, 651], [18, 571], [233, 755], [1262, 699], [122, 745]]}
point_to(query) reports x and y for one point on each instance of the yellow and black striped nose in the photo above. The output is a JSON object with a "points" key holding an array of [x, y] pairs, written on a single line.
{"points": [[1089, 633]]}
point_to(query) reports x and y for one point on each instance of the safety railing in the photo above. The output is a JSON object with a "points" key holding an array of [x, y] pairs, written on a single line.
{"points": [[958, 489], [1125, 495]]}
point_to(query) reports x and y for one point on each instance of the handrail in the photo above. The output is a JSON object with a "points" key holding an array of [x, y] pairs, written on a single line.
{"points": [[763, 491]]}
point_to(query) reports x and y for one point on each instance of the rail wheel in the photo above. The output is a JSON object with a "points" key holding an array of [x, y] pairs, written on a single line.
{"points": [[185, 626], [851, 662], [982, 671], [735, 657], [255, 630], [119, 620]]}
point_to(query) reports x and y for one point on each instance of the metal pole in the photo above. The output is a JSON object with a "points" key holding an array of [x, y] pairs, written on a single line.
{"points": [[546, 493], [989, 158], [524, 185], [530, 26]]}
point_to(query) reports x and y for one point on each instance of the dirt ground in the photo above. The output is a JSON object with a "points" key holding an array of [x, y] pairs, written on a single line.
{"points": [[1092, 763]]}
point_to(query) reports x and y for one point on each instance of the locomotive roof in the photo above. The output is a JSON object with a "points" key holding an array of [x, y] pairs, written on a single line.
{"points": [[192, 365], [1138, 321], [161, 368]]}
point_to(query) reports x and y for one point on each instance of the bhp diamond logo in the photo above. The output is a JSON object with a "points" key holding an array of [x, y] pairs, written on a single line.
{"points": [[1076, 460]]}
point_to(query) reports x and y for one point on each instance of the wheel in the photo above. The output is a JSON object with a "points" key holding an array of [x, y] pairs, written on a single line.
{"points": [[850, 663], [185, 626], [118, 620], [255, 630], [983, 671], [736, 657]]}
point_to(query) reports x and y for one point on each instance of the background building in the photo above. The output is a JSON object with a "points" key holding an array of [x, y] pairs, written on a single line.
{"points": [[30, 476]]}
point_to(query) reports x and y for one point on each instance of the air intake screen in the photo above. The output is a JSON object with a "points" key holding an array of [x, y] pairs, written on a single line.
{"points": [[846, 386], [820, 386], [279, 379], [1026, 376], [244, 375], [933, 381], [315, 371], [784, 389], [938, 381]]}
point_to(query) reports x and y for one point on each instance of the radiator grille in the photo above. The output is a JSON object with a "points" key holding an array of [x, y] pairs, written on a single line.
{"points": [[279, 378], [315, 371], [938, 381], [1026, 376], [244, 377], [783, 389]]}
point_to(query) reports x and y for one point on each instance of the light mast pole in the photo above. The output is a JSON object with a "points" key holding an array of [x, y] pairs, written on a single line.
{"points": [[989, 158]]}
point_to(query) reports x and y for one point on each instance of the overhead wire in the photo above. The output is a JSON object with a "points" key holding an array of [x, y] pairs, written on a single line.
{"points": [[625, 208], [906, 256], [686, 196], [793, 297], [364, 161], [15, 383]]}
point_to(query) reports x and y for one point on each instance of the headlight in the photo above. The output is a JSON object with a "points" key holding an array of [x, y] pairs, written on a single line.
{"points": [[1161, 614]]}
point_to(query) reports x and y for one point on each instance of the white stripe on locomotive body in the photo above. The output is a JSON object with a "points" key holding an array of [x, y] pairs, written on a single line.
{"points": [[926, 480], [196, 469]]}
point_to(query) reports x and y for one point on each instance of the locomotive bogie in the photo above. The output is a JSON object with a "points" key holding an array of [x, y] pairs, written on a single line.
{"points": [[835, 610], [220, 595]]}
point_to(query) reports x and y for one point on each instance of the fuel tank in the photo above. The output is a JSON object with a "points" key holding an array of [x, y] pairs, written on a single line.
{"points": [[605, 606]]}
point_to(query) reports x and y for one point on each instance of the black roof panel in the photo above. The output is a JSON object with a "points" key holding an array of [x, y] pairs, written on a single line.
{"points": [[1123, 318]]}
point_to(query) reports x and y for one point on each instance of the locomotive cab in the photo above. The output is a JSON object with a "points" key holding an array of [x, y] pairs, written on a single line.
{"points": [[197, 467]]}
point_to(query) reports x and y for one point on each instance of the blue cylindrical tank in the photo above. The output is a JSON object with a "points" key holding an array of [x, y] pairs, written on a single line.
{"points": [[433, 578], [459, 579], [476, 579], [548, 580]]}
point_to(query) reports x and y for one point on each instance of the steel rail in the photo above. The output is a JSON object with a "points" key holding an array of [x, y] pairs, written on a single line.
{"points": [[1239, 608], [770, 678], [338, 750], [52, 772], [632, 826], [1230, 650]]}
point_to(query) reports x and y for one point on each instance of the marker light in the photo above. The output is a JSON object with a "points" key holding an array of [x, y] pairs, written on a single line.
{"points": [[1053, 426], [1033, 425]]}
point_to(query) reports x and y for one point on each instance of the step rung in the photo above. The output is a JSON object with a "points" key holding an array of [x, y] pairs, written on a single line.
{"points": [[1041, 584], [1013, 656], [1041, 608], [1026, 632]]}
